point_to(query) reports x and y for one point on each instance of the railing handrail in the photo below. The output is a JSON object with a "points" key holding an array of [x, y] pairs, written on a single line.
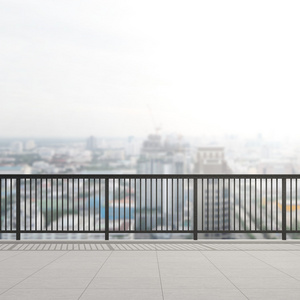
{"points": [[198, 194], [112, 176]]}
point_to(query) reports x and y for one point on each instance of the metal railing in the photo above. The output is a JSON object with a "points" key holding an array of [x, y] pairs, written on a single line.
{"points": [[211, 204]]}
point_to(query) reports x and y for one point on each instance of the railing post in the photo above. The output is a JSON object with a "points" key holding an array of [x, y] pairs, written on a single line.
{"points": [[195, 209], [18, 209], [283, 209], [106, 209]]}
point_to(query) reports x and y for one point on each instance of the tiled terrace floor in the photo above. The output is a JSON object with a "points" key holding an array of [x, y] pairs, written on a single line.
{"points": [[167, 270]]}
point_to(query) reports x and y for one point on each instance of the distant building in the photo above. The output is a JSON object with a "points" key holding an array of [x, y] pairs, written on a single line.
{"points": [[91, 143], [276, 166], [46, 153], [42, 167], [132, 147], [17, 147], [210, 160], [29, 145], [158, 157], [25, 169]]}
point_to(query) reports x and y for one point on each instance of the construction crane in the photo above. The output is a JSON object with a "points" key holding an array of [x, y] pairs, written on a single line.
{"points": [[157, 128]]}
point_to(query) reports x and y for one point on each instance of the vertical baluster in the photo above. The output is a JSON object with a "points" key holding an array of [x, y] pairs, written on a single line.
{"points": [[266, 204], [167, 203], [129, 204], [213, 204], [283, 209], [94, 179], [229, 204], [296, 204], [291, 203], [234, 217], [261, 204], [83, 187], [188, 184], [250, 217], [140, 204], [276, 203], [172, 205], [107, 208], [146, 214], [51, 204], [207, 203], [271, 204], [156, 195], [25, 207], [196, 208], [30, 200], [73, 192], [135, 208], [182, 201], [239, 203], [18, 209], [245, 204], [0, 204], [255, 203], [114, 200]]}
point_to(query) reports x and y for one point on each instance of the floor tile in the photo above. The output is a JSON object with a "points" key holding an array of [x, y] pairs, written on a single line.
{"points": [[125, 283], [124, 294], [196, 283], [54, 283], [207, 294], [8, 282], [7, 254], [274, 294], [133, 254], [252, 272], [38, 294], [66, 272], [219, 272], [115, 271], [175, 256], [22, 272], [175, 271], [266, 283]]}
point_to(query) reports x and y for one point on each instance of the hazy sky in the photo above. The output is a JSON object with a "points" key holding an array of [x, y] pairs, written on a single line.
{"points": [[76, 68]]}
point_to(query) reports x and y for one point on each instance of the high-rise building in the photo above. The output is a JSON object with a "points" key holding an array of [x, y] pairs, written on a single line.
{"points": [[158, 157], [210, 160], [214, 209], [91, 143], [17, 147]]}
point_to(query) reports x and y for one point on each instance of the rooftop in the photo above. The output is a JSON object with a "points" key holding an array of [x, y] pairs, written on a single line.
{"points": [[138, 269]]}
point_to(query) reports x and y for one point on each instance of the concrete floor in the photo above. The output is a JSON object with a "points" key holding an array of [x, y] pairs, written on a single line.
{"points": [[167, 270]]}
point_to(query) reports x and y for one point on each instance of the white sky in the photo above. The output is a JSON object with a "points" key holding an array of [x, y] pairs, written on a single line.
{"points": [[76, 68]]}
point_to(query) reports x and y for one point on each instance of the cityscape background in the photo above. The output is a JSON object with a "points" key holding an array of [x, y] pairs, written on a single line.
{"points": [[160, 87], [155, 154]]}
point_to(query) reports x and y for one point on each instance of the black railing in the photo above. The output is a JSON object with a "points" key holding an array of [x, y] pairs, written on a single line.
{"points": [[194, 204]]}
